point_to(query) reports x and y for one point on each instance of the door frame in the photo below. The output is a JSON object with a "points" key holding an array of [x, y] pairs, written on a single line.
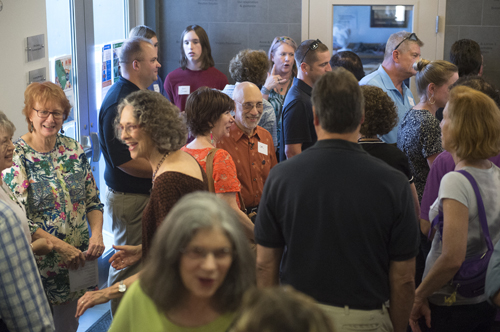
{"points": [[424, 25]]}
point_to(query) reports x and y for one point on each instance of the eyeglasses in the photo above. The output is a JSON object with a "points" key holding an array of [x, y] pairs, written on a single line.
{"points": [[199, 253], [249, 106], [412, 36], [127, 129], [314, 45], [45, 114]]}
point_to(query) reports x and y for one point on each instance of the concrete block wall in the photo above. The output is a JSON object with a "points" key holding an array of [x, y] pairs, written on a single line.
{"points": [[478, 20]]}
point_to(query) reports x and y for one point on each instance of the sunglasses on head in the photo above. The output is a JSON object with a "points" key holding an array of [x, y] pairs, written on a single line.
{"points": [[313, 46], [412, 36]]}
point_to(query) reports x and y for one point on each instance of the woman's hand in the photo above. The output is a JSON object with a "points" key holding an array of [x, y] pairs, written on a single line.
{"points": [[272, 80], [42, 246], [420, 308], [96, 247], [72, 256], [90, 299], [125, 256]]}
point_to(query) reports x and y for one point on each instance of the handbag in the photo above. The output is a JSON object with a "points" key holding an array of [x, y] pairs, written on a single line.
{"points": [[470, 279]]}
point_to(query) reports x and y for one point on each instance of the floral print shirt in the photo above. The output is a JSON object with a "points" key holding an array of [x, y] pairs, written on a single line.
{"points": [[57, 189]]}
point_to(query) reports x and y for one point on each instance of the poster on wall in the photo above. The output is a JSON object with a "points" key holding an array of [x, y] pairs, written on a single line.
{"points": [[107, 69], [116, 61]]}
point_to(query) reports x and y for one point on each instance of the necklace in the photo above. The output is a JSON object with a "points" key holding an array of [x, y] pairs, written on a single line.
{"points": [[158, 167]]}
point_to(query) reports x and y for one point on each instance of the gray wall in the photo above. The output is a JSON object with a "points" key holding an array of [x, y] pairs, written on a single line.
{"points": [[231, 25], [478, 20]]}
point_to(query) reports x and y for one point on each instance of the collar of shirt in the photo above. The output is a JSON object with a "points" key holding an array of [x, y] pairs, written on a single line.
{"points": [[236, 133], [302, 85], [386, 80]]}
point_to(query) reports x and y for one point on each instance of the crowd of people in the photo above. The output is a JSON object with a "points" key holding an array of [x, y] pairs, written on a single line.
{"points": [[304, 197]]}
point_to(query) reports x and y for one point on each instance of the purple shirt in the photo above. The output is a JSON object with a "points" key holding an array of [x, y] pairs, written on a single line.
{"points": [[442, 164]]}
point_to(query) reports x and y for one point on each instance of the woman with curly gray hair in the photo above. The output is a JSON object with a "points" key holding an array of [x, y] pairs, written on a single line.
{"points": [[153, 129]]}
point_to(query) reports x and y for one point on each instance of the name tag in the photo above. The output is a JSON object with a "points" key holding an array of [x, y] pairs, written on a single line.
{"points": [[412, 103], [184, 90], [156, 87], [262, 148]]}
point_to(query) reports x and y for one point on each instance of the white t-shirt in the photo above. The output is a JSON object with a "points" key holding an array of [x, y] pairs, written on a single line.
{"points": [[456, 186], [9, 198]]}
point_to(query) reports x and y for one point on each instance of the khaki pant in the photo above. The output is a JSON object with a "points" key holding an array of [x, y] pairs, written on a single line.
{"points": [[125, 211], [348, 320]]}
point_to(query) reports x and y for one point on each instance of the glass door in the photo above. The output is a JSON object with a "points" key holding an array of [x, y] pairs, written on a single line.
{"points": [[363, 26]]}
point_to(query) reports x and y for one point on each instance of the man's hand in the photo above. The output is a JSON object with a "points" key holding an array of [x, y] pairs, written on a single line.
{"points": [[125, 256]]}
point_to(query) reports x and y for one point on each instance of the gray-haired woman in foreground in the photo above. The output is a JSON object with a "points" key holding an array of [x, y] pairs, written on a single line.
{"points": [[199, 266]]}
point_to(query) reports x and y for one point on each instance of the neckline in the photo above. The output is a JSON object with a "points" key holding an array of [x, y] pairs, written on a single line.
{"points": [[42, 153]]}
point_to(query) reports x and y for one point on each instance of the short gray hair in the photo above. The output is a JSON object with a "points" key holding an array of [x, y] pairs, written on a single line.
{"points": [[338, 101], [159, 118], [132, 49], [395, 39], [6, 126], [161, 279]]}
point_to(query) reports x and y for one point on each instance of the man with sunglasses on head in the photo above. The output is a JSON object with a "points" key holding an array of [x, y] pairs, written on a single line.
{"points": [[297, 133], [401, 52], [250, 145]]}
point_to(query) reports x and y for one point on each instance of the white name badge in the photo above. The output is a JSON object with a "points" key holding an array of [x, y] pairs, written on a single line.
{"points": [[262, 148], [184, 90], [156, 87], [412, 103]]}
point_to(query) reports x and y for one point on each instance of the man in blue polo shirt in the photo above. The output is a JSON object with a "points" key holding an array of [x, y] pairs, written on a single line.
{"points": [[128, 180], [401, 52]]}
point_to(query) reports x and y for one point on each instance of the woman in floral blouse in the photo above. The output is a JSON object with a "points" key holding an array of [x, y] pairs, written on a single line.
{"points": [[51, 176]]}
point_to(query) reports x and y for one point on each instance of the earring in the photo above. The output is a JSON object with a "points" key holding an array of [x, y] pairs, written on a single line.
{"points": [[32, 127], [211, 137], [432, 102]]}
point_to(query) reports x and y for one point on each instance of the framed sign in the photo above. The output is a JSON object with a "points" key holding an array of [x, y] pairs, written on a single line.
{"points": [[389, 17]]}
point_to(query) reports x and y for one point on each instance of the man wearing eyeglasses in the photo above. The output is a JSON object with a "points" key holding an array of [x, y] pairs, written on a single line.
{"points": [[128, 180], [297, 133], [250, 145], [401, 52]]}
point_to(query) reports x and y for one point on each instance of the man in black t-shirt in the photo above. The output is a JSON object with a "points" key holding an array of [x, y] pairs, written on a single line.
{"points": [[297, 130], [345, 217], [128, 180]]}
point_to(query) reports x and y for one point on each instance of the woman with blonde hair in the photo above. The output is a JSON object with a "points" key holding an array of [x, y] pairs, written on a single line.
{"points": [[280, 78], [471, 133], [419, 136]]}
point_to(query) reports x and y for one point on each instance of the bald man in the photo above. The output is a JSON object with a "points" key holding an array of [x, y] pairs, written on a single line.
{"points": [[250, 145]]}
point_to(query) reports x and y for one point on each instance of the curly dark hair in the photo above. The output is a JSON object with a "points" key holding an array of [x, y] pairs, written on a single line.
{"points": [[380, 112], [159, 119], [204, 108], [249, 65]]}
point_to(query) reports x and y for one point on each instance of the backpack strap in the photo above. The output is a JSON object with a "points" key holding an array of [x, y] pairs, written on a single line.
{"points": [[438, 220], [480, 208]]}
